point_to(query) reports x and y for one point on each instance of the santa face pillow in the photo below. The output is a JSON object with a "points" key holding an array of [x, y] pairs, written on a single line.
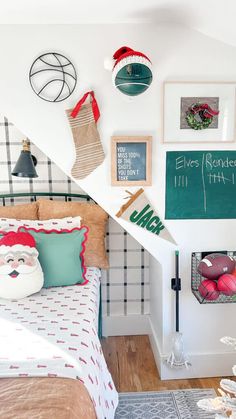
{"points": [[20, 271]]}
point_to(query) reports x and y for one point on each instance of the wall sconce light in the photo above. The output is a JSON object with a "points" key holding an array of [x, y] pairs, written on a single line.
{"points": [[25, 165]]}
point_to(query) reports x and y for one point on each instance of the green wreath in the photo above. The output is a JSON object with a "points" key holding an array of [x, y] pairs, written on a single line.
{"points": [[194, 124], [205, 113]]}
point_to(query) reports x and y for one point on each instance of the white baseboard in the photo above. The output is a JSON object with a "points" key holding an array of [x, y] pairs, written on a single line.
{"points": [[126, 325], [202, 364], [155, 346]]}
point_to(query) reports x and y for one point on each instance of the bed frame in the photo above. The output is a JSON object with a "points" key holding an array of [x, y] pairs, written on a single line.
{"points": [[32, 197]]}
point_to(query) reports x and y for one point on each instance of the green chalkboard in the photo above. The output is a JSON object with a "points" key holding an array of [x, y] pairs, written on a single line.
{"points": [[200, 184]]}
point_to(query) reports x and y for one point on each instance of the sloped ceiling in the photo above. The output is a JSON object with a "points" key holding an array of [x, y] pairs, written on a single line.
{"points": [[215, 18]]}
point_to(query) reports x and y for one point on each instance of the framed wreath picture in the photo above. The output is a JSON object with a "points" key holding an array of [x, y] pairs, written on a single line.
{"points": [[131, 161], [199, 112]]}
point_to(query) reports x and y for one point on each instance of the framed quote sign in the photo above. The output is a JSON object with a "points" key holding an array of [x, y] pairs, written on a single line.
{"points": [[131, 161]]}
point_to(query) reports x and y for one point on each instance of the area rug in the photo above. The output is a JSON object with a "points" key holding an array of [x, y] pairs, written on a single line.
{"points": [[177, 404]]}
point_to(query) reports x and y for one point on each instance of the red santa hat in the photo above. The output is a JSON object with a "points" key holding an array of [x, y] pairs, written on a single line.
{"points": [[18, 242], [125, 56]]}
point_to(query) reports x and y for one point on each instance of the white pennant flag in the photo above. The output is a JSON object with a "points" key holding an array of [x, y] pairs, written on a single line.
{"points": [[139, 211]]}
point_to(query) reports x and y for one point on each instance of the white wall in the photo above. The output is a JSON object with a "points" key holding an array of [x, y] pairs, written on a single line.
{"points": [[177, 54]]}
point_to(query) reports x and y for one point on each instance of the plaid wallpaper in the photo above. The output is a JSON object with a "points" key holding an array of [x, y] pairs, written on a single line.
{"points": [[125, 287]]}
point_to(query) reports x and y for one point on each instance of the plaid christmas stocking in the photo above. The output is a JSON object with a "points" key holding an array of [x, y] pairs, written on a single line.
{"points": [[88, 146]]}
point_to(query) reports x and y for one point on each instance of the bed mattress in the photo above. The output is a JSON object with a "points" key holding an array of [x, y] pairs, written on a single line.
{"points": [[54, 334]]}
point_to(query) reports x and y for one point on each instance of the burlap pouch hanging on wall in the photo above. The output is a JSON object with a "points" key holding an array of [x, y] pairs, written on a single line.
{"points": [[83, 122]]}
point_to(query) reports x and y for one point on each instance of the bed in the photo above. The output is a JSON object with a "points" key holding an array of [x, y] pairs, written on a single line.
{"points": [[51, 362]]}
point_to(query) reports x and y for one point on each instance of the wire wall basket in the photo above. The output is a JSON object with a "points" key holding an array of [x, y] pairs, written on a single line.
{"points": [[196, 278]]}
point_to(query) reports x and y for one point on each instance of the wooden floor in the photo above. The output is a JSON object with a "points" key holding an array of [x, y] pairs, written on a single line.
{"points": [[132, 366]]}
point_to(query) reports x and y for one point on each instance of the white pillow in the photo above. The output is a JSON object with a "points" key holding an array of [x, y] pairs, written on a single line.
{"points": [[11, 224], [20, 271]]}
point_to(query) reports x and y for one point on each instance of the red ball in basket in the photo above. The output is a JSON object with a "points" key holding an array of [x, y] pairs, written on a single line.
{"points": [[208, 290], [216, 264], [227, 284]]}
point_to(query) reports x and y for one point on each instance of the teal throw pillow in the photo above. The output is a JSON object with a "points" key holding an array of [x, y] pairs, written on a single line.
{"points": [[61, 255]]}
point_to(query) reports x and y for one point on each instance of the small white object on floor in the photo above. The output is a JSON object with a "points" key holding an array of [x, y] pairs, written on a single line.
{"points": [[177, 358]]}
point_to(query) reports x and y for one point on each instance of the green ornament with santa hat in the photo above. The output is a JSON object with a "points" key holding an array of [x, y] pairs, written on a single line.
{"points": [[131, 71]]}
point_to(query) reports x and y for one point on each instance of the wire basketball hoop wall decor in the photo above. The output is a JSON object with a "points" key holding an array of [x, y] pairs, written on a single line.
{"points": [[52, 77]]}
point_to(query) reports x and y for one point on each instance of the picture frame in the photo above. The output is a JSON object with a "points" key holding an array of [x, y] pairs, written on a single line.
{"points": [[179, 100], [131, 160]]}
